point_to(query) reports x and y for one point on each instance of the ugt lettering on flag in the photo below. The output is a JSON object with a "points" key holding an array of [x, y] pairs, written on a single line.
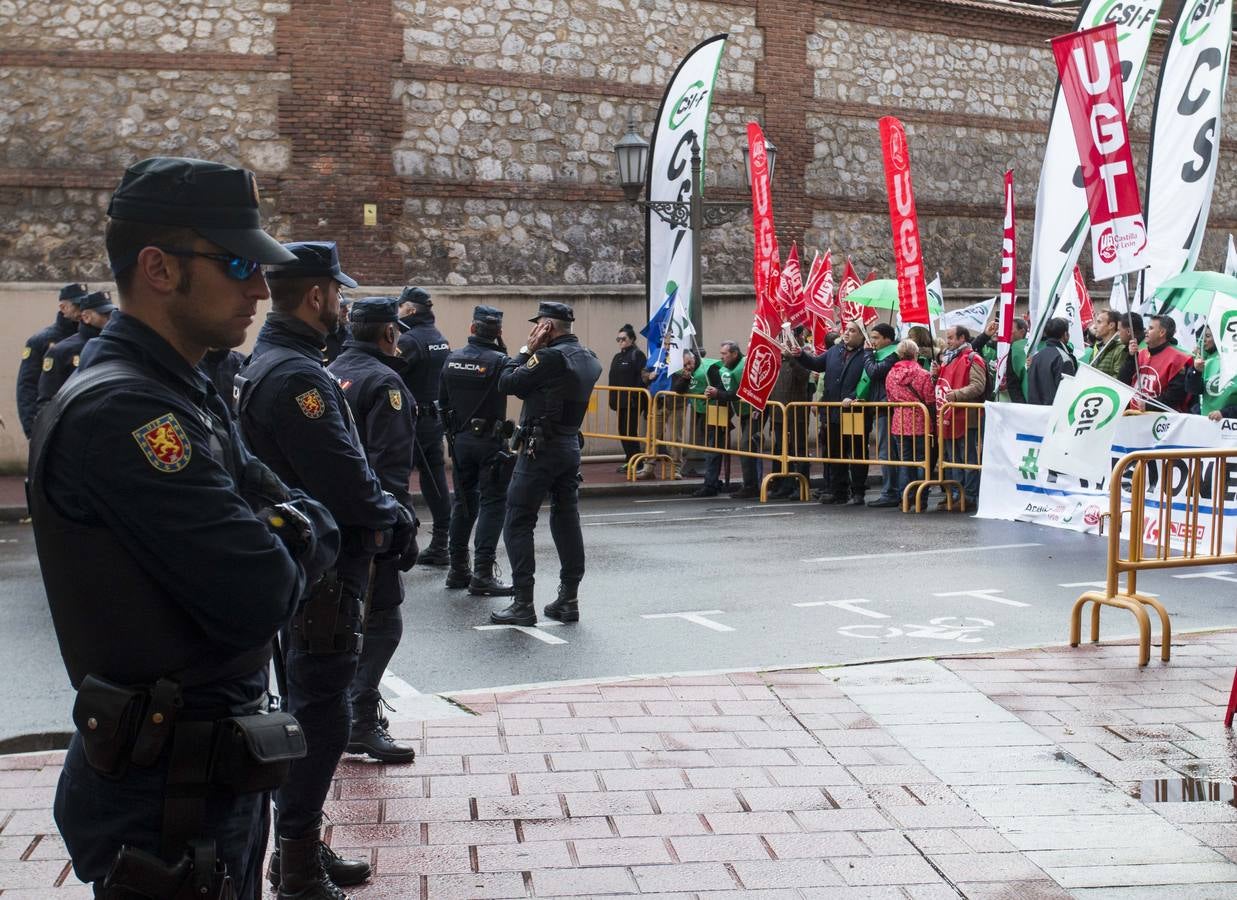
{"points": [[1009, 284], [907, 250], [1091, 84]]}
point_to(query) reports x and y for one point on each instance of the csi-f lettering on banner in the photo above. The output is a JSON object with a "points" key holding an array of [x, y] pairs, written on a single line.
{"points": [[907, 249], [1091, 84]]}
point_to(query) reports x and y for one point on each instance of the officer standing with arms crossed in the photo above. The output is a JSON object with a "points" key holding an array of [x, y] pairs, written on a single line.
{"points": [[424, 350], [475, 414], [293, 414], [367, 371], [206, 552], [554, 375], [62, 360], [36, 348]]}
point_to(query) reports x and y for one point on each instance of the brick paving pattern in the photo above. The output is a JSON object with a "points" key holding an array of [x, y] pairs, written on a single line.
{"points": [[1010, 776]]}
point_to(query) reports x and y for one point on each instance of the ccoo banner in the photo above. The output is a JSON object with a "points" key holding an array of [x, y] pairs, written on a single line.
{"points": [[682, 120], [1185, 135], [1091, 84], [907, 249]]}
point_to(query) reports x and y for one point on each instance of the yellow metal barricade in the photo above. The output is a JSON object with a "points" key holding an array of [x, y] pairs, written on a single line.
{"points": [[619, 414], [1174, 534], [959, 441]]}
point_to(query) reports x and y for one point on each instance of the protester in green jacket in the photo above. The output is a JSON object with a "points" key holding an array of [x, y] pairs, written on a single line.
{"points": [[1111, 352], [723, 380], [1203, 380]]}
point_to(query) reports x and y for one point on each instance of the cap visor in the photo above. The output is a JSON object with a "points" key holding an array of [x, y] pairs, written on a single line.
{"points": [[107, 310], [249, 243], [345, 280]]}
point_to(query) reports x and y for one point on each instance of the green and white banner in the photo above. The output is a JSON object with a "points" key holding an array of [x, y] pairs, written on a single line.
{"points": [[1223, 323], [1084, 420]]}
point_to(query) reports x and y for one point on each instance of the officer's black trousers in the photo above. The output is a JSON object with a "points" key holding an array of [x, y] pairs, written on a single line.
{"points": [[480, 497], [384, 626], [428, 461], [553, 472]]}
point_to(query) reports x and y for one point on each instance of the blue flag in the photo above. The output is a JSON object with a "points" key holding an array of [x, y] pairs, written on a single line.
{"points": [[655, 332]]}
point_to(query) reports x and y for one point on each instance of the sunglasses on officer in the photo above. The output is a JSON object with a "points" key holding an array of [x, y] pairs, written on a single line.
{"points": [[235, 267]]}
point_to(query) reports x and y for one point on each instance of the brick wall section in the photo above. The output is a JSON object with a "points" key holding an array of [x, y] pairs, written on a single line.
{"points": [[343, 123]]}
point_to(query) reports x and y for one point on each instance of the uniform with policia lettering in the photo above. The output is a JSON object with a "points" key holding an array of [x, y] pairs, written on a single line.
{"points": [[62, 360], [475, 413], [33, 352], [424, 351], [555, 383], [384, 416], [170, 557], [295, 418]]}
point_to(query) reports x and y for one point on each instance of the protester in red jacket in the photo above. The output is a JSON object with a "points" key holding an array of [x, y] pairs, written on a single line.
{"points": [[907, 382]]}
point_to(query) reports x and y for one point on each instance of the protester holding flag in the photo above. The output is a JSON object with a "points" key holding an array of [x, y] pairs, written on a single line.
{"points": [[1203, 381], [1161, 366], [1015, 384], [1111, 353], [1051, 361], [908, 382], [961, 377], [723, 380], [879, 359], [627, 370]]}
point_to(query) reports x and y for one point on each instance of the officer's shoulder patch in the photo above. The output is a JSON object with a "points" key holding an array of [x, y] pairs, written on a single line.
{"points": [[396, 397], [47, 363], [164, 443], [26, 351], [311, 403], [532, 361]]}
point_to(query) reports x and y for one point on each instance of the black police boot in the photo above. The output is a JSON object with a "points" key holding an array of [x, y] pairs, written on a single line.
{"points": [[436, 553], [520, 612], [369, 735], [308, 868], [460, 573], [485, 581], [565, 608]]}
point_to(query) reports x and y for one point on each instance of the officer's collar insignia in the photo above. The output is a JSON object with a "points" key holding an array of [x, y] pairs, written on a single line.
{"points": [[164, 443], [311, 404], [532, 361], [25, 352], [396, 398], [47, 364]]}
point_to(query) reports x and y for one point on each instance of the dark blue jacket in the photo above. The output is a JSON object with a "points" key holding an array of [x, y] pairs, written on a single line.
{"points": [[32, 366], [61, 361], [424, 351]]}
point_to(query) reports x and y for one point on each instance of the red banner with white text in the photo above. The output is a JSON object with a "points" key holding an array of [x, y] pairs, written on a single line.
{"points": [[818, 295], [790, 297], [1009, 284], [765, 255], [907, 250], [760, 370], [1091, 84]]}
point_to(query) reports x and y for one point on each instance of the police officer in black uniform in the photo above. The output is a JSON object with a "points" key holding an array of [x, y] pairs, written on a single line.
{"points": [[475, 414], [424, 350], [294, 416], [334, 344], [62, 360], [368, 371], [220, 365], [205, 552], [554, 375], [36, 348]]}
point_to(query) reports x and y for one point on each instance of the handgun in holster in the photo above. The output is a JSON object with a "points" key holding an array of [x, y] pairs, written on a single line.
{"points": [[198, 875], [329, 621]]}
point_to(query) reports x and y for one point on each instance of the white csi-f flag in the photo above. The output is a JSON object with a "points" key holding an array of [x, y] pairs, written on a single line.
{"points": [[1222, 320], [1230, 259], [1069, 306], [1083, 424], [973, 318], [1119, 299]]}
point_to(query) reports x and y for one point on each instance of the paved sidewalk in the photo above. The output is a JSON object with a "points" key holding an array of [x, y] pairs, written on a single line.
{"points": [[1009, 776]]}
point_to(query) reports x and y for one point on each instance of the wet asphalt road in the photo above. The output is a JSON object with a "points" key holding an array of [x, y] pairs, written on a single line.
{"points": [[686, 585]]}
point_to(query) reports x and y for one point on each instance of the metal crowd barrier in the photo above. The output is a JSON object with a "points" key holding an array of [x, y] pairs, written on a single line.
{"points": [[1206, 478], [619, 414], [955, 456]]}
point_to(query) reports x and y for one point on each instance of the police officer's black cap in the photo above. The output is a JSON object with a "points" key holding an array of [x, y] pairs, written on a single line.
{"points": [[217, 201], [487, 315], [74, 292], [548, 310], [312, 259], [99, 301], [375, 311], [416, 295]]}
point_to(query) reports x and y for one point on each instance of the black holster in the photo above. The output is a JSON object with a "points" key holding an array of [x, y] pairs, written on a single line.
{"points": [[198, 875], [329, 621]]}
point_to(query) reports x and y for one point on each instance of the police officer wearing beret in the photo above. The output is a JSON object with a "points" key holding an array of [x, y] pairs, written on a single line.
{"points": [[36, 348], [205, 553], [475, 413], [554, 375], [62, 360], [424, 350], [294, 415], [367, 369]]}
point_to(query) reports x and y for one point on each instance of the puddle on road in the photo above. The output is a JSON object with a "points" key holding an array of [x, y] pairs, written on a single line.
{"points": [[1187, 790]]}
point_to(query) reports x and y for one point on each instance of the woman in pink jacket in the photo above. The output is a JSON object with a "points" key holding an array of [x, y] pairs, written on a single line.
{"points": [[907, 382]]}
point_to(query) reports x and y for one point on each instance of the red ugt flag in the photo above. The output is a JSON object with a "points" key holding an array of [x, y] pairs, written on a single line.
{"points": [[790, 298], [1009, 284], [818, 297], [760, 370], [907, 251]]}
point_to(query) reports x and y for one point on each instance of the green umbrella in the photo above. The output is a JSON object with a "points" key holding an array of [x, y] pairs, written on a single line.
{"points": [[1193, 292], [882, 293]]}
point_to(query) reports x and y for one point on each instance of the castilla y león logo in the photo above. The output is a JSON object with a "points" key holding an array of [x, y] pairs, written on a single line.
{"points": [[1093, 409]]}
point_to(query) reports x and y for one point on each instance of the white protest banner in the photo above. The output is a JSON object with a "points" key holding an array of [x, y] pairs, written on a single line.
{"points": [[1069, 306], [1230, 259], [974, 317], [1084, 420], [682, 119], [1017, 487], [1119, 299], [1223, 323]]}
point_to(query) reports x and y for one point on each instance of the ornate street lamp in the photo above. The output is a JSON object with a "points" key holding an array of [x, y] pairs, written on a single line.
{"points": [[631, 161]]}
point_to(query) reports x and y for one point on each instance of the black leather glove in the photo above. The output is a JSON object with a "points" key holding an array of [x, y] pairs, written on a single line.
{"points": [[403, 533], [260, 486], [309, 532], [409, 559]]}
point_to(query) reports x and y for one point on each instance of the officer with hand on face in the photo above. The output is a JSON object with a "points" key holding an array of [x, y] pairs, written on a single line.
{"points": [[475, 413], [36, 348], [554, 375], [295, 417], [424, 350], [62, 360], [367, 369], [168, 577]]}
